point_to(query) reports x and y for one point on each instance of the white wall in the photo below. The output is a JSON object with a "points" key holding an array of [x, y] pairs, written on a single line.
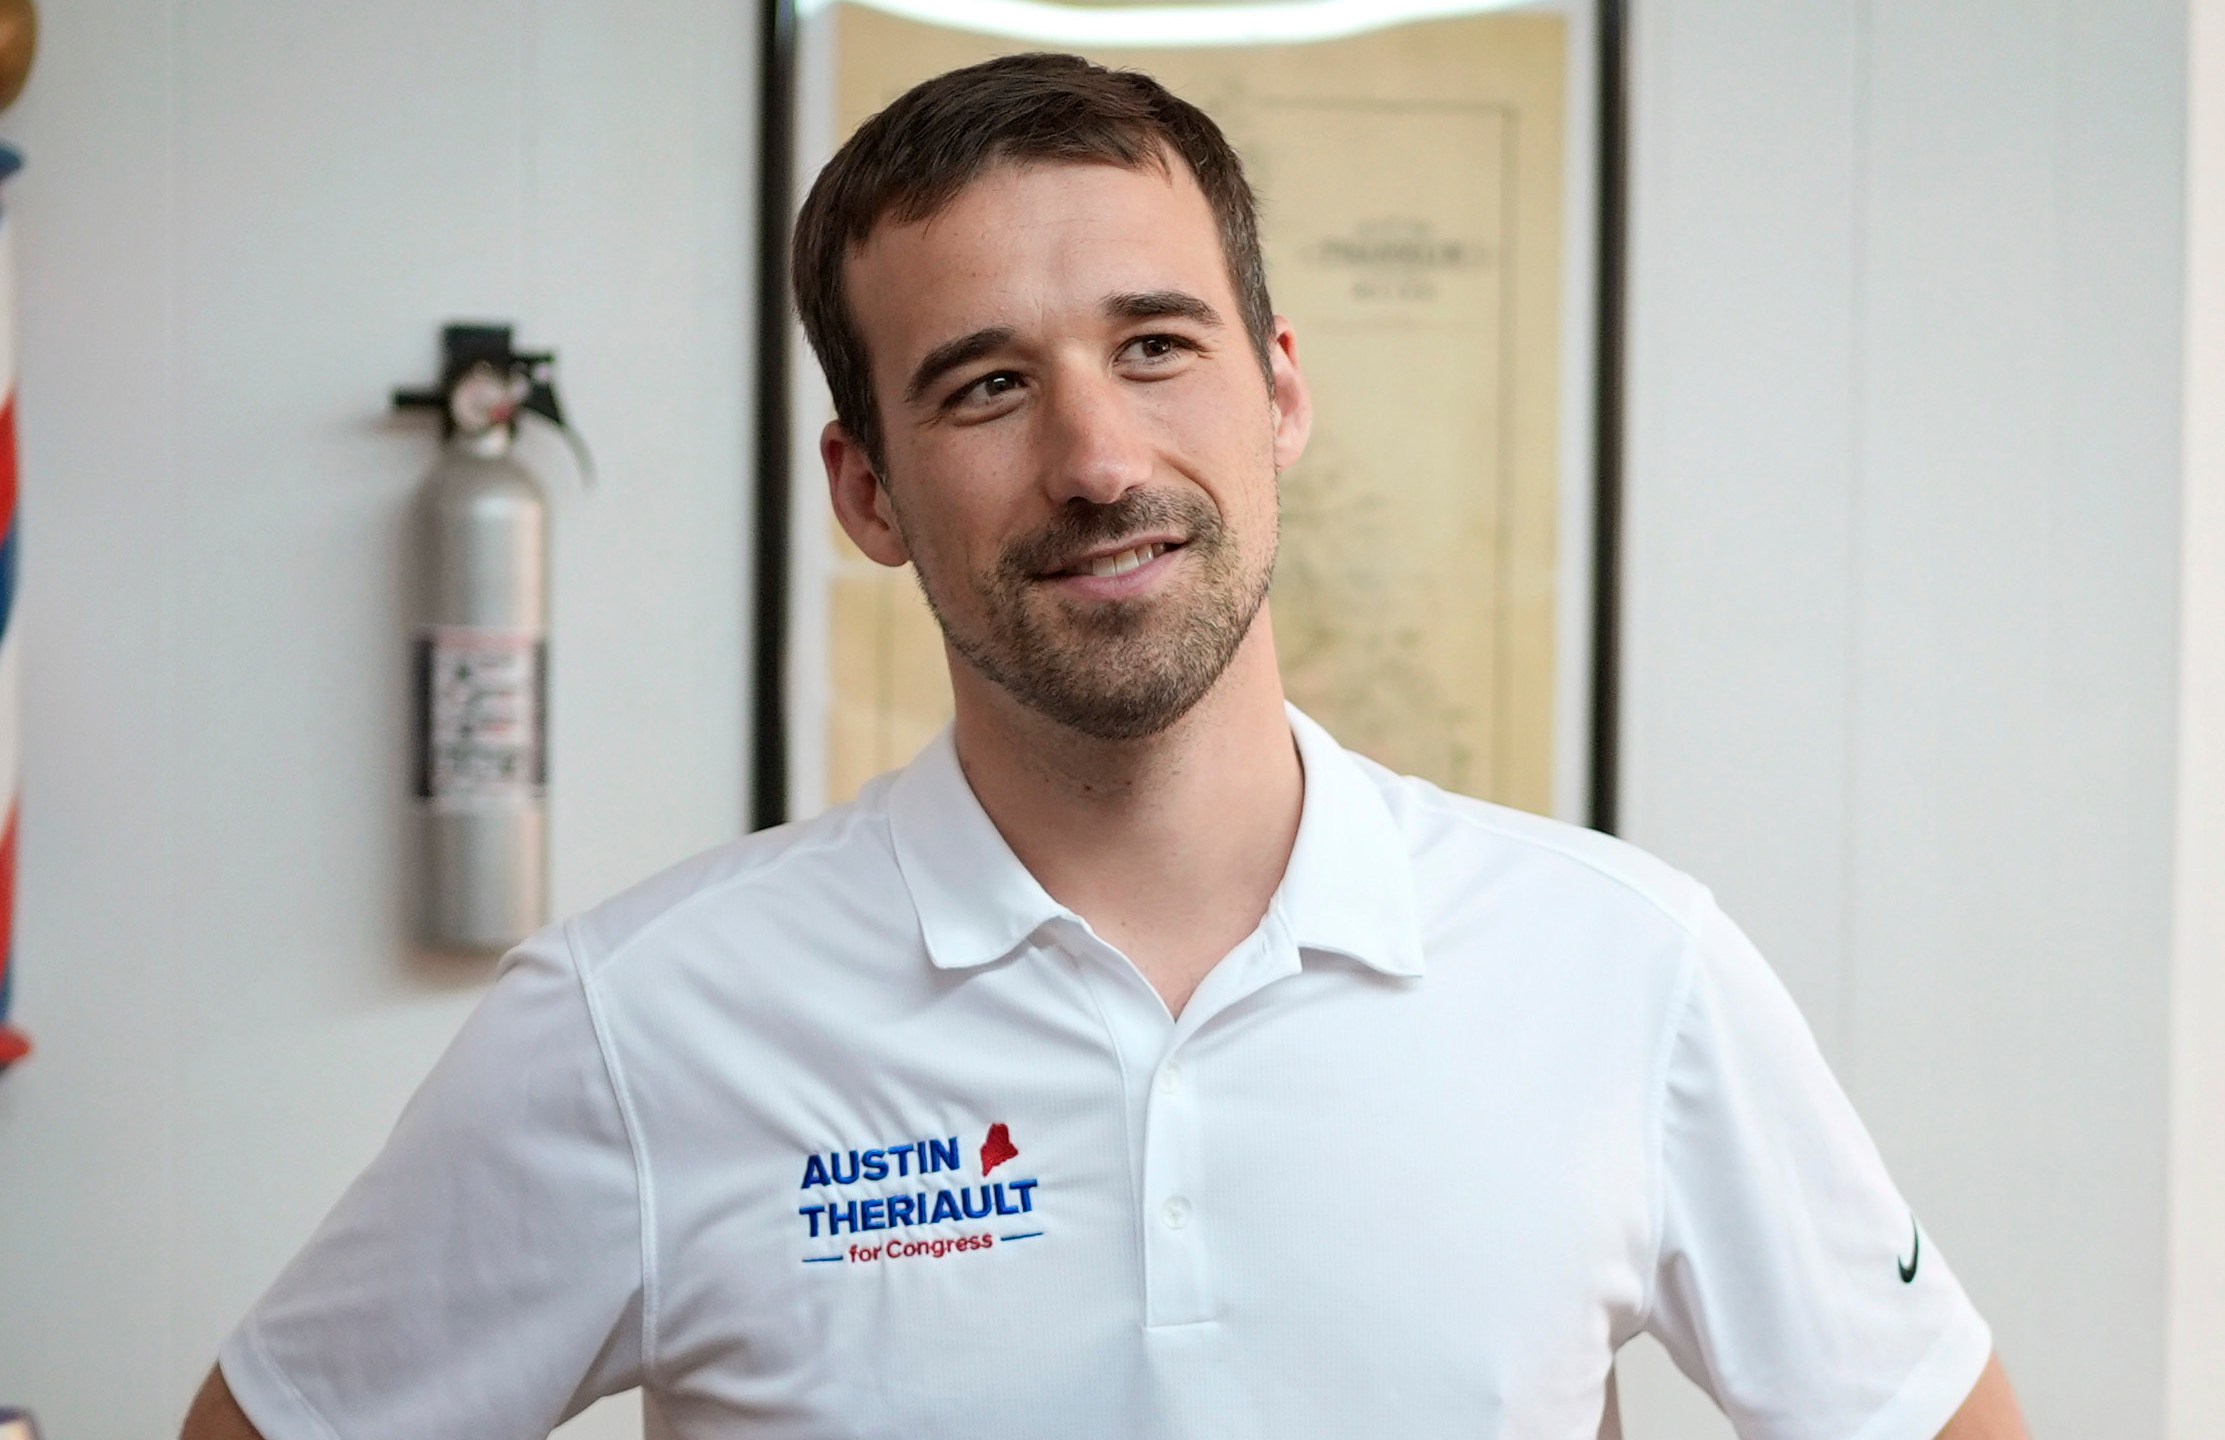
{"points": [[1904, 535], [241, 223]]}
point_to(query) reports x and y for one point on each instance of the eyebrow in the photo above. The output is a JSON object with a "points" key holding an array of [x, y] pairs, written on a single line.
{"points": [[1161, 305], [951, 354]]}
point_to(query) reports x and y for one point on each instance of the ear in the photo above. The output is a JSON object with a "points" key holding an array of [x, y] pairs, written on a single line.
{"points": [[1293, 398], [861, 502]]}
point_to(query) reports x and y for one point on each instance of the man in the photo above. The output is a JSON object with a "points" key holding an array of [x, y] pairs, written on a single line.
{"points": [[1137, 1062]]}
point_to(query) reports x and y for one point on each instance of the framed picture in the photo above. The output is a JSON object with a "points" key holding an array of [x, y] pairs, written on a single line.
{"points": [[1440, 211]]}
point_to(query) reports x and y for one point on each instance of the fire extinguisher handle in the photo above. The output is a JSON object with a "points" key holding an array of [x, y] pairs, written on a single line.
{"points": [[571, 438], [540, 375], [470, 349], [539, 370]]}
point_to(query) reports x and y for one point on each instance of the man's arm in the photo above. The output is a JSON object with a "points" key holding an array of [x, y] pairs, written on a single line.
{"points": [[216, 1415], [1991, 1412], [494, 1247]]}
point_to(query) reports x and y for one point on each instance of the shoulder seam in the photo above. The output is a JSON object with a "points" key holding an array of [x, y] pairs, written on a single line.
{"points": [[644, 1183], [1686, 923], [688, 902]]}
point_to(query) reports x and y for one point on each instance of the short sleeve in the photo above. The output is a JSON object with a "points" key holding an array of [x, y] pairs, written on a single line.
{"points": [[483, 1277], [1793, 1283]]}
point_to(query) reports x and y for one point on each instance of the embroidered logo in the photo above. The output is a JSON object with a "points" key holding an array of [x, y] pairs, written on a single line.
{"points": [[918, 1183]]}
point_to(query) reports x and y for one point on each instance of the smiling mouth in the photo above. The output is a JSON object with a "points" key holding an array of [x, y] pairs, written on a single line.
{"points": [[1120, 562]]}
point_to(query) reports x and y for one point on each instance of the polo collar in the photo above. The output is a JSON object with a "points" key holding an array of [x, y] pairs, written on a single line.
{"points": [[1348, 890], [976, 901], [1349, 887]]}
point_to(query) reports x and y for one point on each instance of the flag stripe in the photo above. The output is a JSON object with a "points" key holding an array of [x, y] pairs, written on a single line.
{"points": [[7, 594], [7, 463]]}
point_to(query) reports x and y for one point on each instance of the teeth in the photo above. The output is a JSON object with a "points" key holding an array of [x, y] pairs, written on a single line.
{"points": [[1125, 561]]}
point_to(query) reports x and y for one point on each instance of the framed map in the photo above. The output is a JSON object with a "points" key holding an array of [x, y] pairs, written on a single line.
{"points": [[1431, 600]]}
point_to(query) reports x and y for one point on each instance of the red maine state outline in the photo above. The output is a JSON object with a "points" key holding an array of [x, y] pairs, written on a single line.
{"points": [[998, 1148]]}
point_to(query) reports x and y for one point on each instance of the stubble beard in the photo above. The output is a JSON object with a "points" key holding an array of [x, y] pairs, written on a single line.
{"points": [[1121, 670]]}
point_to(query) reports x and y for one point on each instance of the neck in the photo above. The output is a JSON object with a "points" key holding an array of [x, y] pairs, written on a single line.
{"points": [[1170, 846]]}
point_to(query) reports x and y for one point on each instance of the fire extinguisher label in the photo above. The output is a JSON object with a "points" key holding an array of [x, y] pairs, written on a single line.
{"points": [[482, 717]]}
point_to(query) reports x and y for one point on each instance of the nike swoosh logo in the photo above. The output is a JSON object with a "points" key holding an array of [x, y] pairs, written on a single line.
{"points": [[1915, 1255]]}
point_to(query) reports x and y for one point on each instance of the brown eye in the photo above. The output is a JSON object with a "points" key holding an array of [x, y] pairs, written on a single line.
{"points": [[989, 387], [1158, 347]]}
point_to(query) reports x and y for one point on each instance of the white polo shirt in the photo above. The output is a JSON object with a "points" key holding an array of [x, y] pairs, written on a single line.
{"points": [[849, 1129]]}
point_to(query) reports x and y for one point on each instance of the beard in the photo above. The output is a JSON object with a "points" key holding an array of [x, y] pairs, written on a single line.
{"points": [[1113, 670]]}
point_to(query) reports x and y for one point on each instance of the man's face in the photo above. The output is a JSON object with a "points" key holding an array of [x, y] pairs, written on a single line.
{"points": [[1080, 446]]}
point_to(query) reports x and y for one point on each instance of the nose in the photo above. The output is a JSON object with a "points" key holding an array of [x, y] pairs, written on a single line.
{"points": [[1098, 446]]}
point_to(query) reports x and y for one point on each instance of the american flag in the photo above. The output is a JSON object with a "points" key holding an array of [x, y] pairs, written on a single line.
{"points": [[14, 1045]]}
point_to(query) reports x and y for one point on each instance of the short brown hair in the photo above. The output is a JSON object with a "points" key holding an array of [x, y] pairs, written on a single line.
{"points": [[913, 158]]}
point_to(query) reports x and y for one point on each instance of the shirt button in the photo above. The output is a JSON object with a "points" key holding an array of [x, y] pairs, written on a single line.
{"points": [[1170, 1077], [1176, 1212]]}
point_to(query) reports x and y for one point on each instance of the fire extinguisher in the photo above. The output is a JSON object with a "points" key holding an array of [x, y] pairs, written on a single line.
{"points": [[480, 653]]}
